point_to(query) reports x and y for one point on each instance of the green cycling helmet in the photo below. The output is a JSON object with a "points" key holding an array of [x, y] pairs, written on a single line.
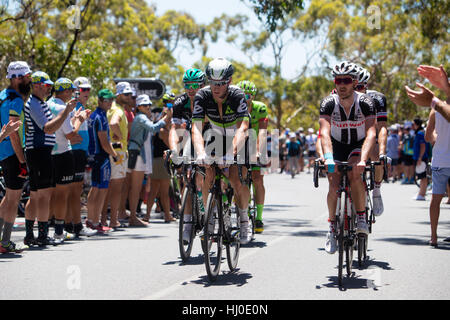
{"points": [[168, 96], [194, 75], [247, 86]]}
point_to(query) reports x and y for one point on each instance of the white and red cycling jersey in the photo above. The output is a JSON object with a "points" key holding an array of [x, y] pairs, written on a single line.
{"points": [[348, 128]]}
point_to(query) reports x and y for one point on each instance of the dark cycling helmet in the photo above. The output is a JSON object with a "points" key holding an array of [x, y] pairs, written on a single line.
{"points": [[345, 68], [219, 69], [363, 76], [247, 86], [194, 75], [168, 97]]}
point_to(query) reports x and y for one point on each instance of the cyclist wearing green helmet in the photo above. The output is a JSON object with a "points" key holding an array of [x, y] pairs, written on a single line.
{"points": [[193, 80], [258, 123]]}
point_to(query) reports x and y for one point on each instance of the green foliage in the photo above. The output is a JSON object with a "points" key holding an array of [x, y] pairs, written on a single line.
{"points": [[274, 11]]}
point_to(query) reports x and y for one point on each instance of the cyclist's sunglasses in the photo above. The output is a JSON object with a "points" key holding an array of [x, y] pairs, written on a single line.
{"points": [[85, 89], [248, 96], [127, 94], [360, 86], [192, 86], [343, 80], [218, 83]]}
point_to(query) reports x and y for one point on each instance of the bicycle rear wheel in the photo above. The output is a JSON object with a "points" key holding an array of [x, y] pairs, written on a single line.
{"points": [[362, 249], [232, 229], [186, 247], [340, 240], [212, 239], [349, 257]]}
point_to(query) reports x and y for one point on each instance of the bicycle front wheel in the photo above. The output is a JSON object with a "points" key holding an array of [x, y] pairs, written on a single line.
{"points": [[232, 229], [186, 246], [212, 239]]}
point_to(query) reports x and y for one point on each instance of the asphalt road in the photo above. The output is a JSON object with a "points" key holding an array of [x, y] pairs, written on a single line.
{"points": [[286, 262]]}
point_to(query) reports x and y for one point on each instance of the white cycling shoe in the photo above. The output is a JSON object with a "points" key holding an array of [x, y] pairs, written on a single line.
{"points": [[361, 226], [331, 243], [245, 234]]}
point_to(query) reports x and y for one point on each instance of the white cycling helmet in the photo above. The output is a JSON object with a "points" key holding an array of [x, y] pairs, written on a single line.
{"points": [[363, 76], [219, 69], [345, 68]]}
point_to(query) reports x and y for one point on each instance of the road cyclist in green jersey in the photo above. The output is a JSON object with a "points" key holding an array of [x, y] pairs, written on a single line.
{"points": [[258, 127], [224, 107], [180, 142]]}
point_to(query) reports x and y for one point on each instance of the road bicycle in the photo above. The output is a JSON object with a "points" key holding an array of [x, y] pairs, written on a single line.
{"points": [[248, 180], [222, 227], [190, 199], [347, 238]]}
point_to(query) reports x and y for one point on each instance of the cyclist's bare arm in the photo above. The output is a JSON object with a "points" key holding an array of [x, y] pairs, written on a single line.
{"points": [[325, 133], [382, 136], [369, 142], [174, 139], [262, 137], [197, 137], [239, 138]]}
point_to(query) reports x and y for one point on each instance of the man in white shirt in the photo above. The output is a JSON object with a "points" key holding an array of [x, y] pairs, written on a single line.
{"points": [[438, 134]]}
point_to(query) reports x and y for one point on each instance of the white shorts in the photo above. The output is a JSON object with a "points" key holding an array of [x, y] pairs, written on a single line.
{"points": [[119, 168], [141, 166]]}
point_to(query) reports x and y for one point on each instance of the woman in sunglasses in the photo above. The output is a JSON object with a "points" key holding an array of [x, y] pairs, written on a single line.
{"points": [[347, 127]]}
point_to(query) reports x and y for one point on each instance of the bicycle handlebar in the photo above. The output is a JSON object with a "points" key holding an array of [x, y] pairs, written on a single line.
{"points": [[344, 166]]}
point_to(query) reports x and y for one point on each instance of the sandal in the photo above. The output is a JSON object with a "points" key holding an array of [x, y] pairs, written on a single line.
{"points": [[433, 244]]}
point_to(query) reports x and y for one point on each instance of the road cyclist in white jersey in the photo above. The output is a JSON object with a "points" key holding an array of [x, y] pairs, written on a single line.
{"points": [[347, 129], [379, 151]]}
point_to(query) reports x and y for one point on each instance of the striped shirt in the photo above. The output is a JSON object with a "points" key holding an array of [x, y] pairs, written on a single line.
{"points": [[37, 113]]}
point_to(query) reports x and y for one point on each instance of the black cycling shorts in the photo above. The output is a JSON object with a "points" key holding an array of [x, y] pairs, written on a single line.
{"points": [[40, 166], [80, 161], [11, 173], [64, 167], [343, 152]]}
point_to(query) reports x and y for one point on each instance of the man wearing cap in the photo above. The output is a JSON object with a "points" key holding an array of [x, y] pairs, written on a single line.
{"points": [[63, 160], [79, 151], [118, 125], [392, 150], [311, 140], [40, 128], [12, 157], [407, 143], [100, 148]]}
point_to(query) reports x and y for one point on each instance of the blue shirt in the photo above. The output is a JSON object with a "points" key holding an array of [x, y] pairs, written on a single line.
{"points": [[98, 121], [37, 113], [392, 146], [11, 106], [83, 132], [419, 139], [293, 148]]}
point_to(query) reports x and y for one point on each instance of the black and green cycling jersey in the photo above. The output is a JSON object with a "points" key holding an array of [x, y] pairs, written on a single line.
{"points": [[234, 110], [182, 111]]}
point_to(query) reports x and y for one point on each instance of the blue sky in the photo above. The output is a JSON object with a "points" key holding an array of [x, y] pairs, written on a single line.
{"points": [[205, 11]]}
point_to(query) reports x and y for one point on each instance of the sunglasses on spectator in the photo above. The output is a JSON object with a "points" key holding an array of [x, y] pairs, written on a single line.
{"points": [[192, 86], [218, 83], [85, 89], [343, 80]]}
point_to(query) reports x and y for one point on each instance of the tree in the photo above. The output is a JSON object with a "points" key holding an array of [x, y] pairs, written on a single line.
{"points": [[270, 12], [390, 40]]}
